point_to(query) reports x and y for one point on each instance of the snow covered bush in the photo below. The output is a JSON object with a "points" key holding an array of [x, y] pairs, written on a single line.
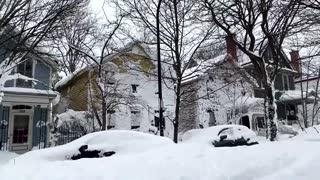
{"points": [[80, 122]]}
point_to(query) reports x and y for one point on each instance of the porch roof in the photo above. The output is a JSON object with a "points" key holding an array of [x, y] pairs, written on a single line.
{"points": [[295, 96], [29, 91]]}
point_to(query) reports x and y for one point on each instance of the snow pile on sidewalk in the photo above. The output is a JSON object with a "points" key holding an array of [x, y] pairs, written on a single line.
{"points": [[309, 134], [6, 156], [119, 141]]}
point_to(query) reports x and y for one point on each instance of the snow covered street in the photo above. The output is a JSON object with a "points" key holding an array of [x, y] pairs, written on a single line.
{"points": [[291, 159]]}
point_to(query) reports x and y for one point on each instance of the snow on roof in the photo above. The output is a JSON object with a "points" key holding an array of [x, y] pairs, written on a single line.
{"points": [[199, 70], [310, 60], [65, 80], [248, 101], [294, 95], [28, 91]]}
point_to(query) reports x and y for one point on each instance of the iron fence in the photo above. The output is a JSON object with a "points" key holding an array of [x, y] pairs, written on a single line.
{"points": [[66, 135]]}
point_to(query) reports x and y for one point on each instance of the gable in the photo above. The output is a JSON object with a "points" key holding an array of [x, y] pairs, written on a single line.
{"points": [[131, 61], [285, 61]]}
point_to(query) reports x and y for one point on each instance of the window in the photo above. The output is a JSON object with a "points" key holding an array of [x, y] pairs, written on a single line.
{"points": [[25, 68], [135, 119], [285, 82], [111, 119], [291, 112], [109, 77], [260, 123], [229, 115], [134, 88], [268, 55], [212, 118]]}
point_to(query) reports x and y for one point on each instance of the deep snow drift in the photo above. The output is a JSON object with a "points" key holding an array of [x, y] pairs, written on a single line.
{"points": [[120, 141], [292, 159], [6, 156]]}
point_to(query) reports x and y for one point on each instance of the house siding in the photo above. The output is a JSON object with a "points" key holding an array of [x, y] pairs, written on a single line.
{"points": [[77, 93], [278, 84], [42, 74], [291, 82], [6, 46], [188, 111]]}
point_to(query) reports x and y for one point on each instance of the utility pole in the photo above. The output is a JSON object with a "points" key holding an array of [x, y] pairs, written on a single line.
{"points": [[161, 119]]}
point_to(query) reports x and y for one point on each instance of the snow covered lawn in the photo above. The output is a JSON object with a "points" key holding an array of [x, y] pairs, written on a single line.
{"points": [[293, 159]]}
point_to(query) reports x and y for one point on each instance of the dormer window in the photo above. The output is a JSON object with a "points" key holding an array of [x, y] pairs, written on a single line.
{"points": [[134, 88], [25, 68], [285, 79]]}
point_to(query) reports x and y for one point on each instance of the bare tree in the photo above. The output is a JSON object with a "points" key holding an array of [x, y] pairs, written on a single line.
{"points": [[181, 35], [25, 25], [98, 63], [79, 30], [309, 82], [257, 23]]}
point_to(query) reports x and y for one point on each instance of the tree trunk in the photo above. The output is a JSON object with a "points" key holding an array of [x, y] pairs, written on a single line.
{"points": [[104, 114], [271, 112], [177, 113]]}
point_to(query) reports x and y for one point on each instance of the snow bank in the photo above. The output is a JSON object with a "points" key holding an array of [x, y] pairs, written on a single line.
{"points": [[208, 135], [285, 160], [309, 134], [120, 141], [6, 156]]}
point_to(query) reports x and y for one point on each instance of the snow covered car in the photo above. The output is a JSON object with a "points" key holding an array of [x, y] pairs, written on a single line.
{"points": [[222, 136], [99, 144]]}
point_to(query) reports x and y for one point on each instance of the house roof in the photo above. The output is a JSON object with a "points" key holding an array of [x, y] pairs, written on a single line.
{"points": [[310, 62], [67, 79], [199, 70], [202, 68], [64, 81]]}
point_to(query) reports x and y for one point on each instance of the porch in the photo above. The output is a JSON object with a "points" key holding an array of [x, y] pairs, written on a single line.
{"points": [[23, 127]]}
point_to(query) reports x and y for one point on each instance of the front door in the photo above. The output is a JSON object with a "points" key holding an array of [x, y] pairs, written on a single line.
{"points": [[20, 133]]}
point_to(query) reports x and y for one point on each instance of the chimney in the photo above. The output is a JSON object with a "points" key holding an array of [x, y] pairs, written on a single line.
{"points": [[295, 60], [231, 48]]}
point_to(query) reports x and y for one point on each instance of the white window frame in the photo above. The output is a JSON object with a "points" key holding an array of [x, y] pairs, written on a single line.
{"points": [[137, 121], [283, 82], [33, 72]]}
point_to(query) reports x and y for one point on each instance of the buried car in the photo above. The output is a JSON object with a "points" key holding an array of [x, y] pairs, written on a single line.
{"points": [[99, 144], [222, 136]]}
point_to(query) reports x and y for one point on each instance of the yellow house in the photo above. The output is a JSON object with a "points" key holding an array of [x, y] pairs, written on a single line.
{"points": [[129, 85]]}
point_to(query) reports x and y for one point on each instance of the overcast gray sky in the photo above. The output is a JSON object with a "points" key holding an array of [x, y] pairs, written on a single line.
{"points": [[97, 8]]}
